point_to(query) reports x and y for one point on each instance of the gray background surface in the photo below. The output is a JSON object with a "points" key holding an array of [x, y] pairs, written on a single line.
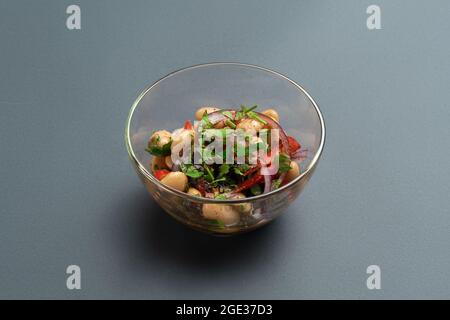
{"points": [[68, 194]]}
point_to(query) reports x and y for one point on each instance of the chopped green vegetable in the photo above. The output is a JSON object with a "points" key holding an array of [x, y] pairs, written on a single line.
{"points": [[228, 114], [243, 112], [216, 223], [241, 169], [216, 181], [255, 116], [229, 181], [209, 173], [205, 121], [221, 197], [230, 123], [276, 183], [223, 170], [256, 190], [191, 171], [284, 163], [158, 151]]}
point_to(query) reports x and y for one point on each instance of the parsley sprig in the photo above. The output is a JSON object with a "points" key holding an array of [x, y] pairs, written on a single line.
{"points": [[191, 171], [160, 151]]}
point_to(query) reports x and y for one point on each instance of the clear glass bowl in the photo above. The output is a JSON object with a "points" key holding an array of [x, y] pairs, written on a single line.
{"points": [[175, 98]]}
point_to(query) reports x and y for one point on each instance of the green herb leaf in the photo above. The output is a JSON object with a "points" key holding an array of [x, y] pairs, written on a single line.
{"points": [[228, 114], [230, 123], [216, 223], [209, 173], [284, 163], [205, 121], [230, 182], [158, 151], [250, 109], [223, 170], [216, 181], [243, 112], [191, 171], [276, 184], [221, 197], [241, 169], [256, 190], [255, 116]]}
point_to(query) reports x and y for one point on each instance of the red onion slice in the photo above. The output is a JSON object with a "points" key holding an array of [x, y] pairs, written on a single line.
{"points": [[300, 155], [217, 116], [267, 183], [275, 125]]}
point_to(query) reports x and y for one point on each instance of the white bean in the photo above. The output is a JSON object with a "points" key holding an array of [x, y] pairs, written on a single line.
{"points": [[201, 111], [293, 173], [244, 208], [220, 212], [180, 141], [177, 180], [272, 113], [160, 138], [194, 192], [249, 125]]}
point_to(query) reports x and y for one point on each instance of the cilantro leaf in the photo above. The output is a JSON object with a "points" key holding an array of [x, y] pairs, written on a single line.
{"points": [[244, 112], [209, 174], [159, 151], [256, 189], [228, 114], [255, 116], [216, 223], [205, 121], [276, 184], [191, 171], [221, 197], [216, 181], [223, 170], [250, 109], [230, 123], [284, 163], [241, 169]]}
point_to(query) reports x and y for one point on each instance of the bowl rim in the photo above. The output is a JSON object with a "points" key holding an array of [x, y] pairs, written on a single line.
{"points": [[142, 169]]}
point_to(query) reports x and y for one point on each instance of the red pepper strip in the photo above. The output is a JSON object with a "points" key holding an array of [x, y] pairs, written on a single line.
{"points": [[160, 174], [251, 170], [257, 178], [201, 187], [188, 125], [293, 145]]}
